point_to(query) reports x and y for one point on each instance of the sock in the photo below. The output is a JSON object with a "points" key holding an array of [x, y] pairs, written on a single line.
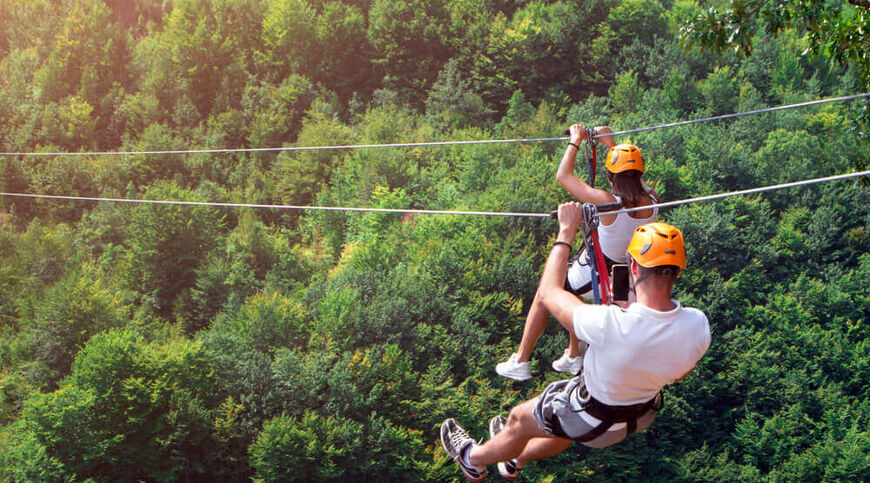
{"points": [[466, 456]]}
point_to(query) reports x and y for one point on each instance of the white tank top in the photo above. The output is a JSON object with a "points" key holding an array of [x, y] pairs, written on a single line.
{"points": [[614, 238]]}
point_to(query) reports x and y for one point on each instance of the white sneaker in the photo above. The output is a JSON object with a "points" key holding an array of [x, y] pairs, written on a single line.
{"points": [[566, 363], [518, 371]]}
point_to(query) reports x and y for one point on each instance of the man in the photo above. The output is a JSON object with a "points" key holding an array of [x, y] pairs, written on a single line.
{"points": [[633, 353]]}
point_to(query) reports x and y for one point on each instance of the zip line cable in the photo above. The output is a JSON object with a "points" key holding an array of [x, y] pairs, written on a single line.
{"points": [[442, 212], [738, 114], [719, 196], [280, 207], [433, 143]]}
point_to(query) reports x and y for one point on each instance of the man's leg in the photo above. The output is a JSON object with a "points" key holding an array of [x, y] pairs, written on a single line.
{"points": [[540, 448], [521, 427]]}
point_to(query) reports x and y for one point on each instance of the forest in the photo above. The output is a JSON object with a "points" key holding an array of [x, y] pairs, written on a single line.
{"points": [[145, 342]]}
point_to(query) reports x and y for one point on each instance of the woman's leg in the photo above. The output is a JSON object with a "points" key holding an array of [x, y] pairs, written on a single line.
{"points": [[576, 347], [536, 323], [536, 319]]}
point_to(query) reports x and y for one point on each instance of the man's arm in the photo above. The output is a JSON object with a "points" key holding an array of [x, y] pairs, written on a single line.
{"points": [[556, 299]]}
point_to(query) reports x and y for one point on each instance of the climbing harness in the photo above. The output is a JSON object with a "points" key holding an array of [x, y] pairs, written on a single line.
{"points": [[597, 262], [610, 415], [590, 241]]}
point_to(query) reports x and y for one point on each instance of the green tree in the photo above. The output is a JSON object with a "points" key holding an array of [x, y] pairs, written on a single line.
{"points": [[637, 19], [301, 175], [410, 42], [165, 245], [194, 65], [129, 409], [720, 91], [625, 95], [297, 34], [838, 29], [284, 447], [452, 102], [73, 310], [88, 55]]}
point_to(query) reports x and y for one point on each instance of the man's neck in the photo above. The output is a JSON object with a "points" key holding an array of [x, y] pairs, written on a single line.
{"points": [[655, 299]]}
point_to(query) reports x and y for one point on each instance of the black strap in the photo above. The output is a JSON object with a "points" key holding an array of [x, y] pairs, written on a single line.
{"points": [[596, 432], [605, 424], [610, 415], [591, 155], [631, 426]]}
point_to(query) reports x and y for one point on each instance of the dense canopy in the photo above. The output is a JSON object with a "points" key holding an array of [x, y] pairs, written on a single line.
{"points": [[163, 343]]}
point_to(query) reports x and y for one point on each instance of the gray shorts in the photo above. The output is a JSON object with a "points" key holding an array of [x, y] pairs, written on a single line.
{"points": [[560, 412]]}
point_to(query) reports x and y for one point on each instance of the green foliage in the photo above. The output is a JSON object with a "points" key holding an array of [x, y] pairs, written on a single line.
{"points": [[720, 91], [297, 34], [73, 310], [303, 174], [837, 30], [626, 93], [129, 408], [168, 342], [165, 245], [409, 42], [286, 446], [452, 104], [637, 19]]}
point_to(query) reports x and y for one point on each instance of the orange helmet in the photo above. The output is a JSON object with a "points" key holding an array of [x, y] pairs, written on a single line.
{"points": [[656, 244], [624, 157]]}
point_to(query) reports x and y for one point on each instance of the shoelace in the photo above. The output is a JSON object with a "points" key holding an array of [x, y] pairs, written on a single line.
{"points": [[457, 439]]}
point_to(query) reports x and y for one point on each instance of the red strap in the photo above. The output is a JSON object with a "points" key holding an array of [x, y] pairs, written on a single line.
{"points": [[591, 160], [601, 268]]}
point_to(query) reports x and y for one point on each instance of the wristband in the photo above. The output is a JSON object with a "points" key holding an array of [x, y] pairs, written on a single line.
{"points": [[576, 146], [560, 242]]}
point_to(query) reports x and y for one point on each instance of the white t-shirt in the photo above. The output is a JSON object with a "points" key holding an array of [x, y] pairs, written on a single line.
{"points": [[633, 353]]}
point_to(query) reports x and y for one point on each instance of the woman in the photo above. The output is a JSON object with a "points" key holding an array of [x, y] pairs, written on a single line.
{"points": [[624, 167]]}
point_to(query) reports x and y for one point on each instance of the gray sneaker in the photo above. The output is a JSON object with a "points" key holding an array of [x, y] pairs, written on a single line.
{"points": [[509, 470], [455, 440], [518, 371]]}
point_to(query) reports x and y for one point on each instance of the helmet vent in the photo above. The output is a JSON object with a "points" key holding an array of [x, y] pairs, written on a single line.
{"points": [[671, 252]]}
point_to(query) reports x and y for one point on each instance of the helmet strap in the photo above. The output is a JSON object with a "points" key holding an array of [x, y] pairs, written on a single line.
{"points": [[634, 282]]}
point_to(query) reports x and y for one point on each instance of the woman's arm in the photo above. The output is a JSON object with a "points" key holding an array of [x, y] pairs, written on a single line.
{"points": [[574, 185]]}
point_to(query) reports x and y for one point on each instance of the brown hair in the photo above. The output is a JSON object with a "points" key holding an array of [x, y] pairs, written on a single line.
{"points": [[665, 273], [628, 186]]}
